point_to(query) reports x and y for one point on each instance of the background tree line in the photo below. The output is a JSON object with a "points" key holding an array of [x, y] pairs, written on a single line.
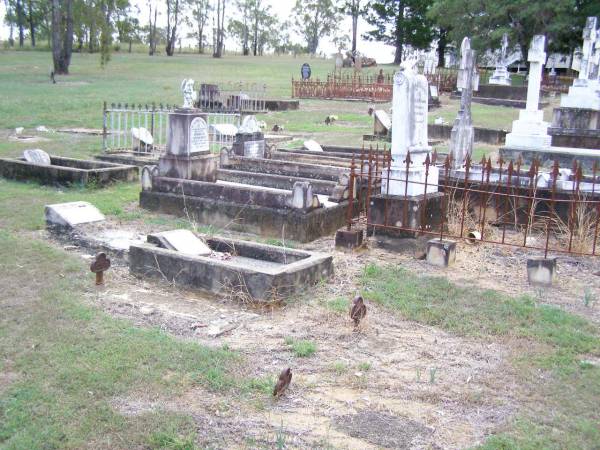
{"points": [[99, 25]]}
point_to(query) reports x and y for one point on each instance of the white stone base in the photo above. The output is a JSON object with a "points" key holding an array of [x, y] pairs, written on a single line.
{"points": [[501, 76], [529, 131], [416, 182], [584, 94]]}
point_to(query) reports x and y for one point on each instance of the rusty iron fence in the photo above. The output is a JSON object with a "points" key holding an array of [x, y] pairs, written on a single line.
{"points": [[232, 97], [367, 87], [506, 203], [119, 119]]}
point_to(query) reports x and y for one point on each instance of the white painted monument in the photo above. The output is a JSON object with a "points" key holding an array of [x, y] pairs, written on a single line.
{"points": [[462, 136], [530, 131], [501, 75], [585, 92], [189, 95], [409, 134]]}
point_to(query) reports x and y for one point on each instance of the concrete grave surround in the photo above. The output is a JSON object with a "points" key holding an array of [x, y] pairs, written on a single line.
{"points": [[37, 156], [409, 125], [530, 131], [183, 241], [67, 171], [72, 214], [262, 272]]}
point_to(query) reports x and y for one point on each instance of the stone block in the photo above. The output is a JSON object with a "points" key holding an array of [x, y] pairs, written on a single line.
{"points": [[349, 238], [441, 253], [202, 167], [187, 133], [71, 214], [183, 241], [540, 271], [37, 156]]}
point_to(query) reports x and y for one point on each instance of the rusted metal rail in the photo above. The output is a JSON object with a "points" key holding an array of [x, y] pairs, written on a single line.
{"points": [[500, 202]]}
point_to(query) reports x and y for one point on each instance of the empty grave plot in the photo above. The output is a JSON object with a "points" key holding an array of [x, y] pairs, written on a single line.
{"points": [[67, 171]]}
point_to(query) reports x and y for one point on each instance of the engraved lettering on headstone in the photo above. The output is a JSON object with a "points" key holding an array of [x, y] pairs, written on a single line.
{"points": [[198, 136]]}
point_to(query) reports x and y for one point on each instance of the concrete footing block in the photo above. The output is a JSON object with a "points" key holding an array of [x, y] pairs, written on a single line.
{"points": [[349, 238], [441, 253], [540, 271]]}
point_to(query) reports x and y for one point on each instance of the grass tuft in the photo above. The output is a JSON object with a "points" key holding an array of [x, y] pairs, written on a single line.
{"points": [[301, 348]]}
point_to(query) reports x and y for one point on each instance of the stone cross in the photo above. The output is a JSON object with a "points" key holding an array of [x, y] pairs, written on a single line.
{"points": [[462, 135], [536, 58], [590, 34], [504, 52]]}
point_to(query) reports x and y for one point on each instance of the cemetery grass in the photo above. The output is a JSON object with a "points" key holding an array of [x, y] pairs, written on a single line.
{"points": [[64, 362], [552, 351]]}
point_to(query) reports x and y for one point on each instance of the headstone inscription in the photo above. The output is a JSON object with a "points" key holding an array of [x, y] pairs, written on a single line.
{"points": [[37, 156], [198, 136]]}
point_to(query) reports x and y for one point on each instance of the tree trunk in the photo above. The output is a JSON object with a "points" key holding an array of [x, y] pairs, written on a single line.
{"points": [[442, 44], [19, 7], [399, 44], [355, 13], [62, 35], [31, 24]]}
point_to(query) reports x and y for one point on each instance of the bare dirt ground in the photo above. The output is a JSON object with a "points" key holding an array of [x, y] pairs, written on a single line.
{"points": [[394, 384]]}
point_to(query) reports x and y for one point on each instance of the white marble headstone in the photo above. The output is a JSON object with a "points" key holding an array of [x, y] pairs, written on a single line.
{"points": [[198, 136], [37, 156], [142, 135], [249, 125], [312, 146], [183, 241], [72, 213]]}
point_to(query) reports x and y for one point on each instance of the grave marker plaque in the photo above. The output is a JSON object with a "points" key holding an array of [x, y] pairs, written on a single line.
{"points": [[198, 136]]}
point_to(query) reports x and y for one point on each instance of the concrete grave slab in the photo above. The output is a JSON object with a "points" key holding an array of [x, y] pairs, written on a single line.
{"points": [[183, 241], [37, 156], [312, 146], [72, 214]]}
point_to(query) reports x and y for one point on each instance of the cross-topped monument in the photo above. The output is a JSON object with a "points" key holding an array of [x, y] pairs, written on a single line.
{"points": [[585, 92], [530, 131], [462, 136]]}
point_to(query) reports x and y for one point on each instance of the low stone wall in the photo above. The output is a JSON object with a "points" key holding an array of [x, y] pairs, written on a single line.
{"points": [[282, 105], [564, 156], [298, 270], [274, 181], [486, 135], [575, 138], [293, 224], [68, 171]]}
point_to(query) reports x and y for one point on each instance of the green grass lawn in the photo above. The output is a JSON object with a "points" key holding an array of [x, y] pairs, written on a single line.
{"points": [[551, 358], [67, 361]]}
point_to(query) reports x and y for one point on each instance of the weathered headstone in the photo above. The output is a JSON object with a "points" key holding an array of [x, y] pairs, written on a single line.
{"points": [[249, 140], [409, 134], [462, 135], [382, 124], [37, 156], [72, 214], [183, 241], [501, 74], [339, 61], [530, 131], [312, 146], [189, 95], [305, 71], [187, 153], [141, 139], [585, 92]]}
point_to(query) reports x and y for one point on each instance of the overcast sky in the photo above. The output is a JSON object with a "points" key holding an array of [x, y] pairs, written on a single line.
{"points": [[283, 10]]}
